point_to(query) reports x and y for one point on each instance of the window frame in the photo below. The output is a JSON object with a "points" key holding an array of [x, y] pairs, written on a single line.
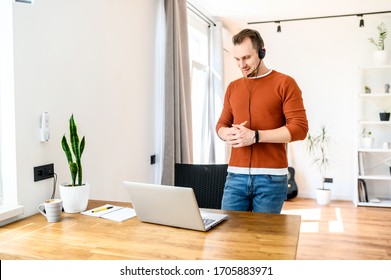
{"points": [[9, 207]]}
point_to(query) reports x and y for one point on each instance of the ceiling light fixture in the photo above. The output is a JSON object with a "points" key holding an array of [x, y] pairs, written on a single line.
{"points": [[278, 26], [361, 20]]}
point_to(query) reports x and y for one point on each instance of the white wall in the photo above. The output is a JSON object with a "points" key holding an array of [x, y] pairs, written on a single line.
{"points": [[323, 56], [95, 59]]}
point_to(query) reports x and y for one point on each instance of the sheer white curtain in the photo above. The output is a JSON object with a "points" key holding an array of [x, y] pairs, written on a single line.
{"points": [[206, 55]]}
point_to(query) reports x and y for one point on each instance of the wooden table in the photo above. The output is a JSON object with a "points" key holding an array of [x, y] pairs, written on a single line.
{"points": [[244, 235]]}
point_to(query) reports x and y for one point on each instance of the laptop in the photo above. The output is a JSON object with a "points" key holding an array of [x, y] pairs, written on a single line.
{"points": [[170, 206]]}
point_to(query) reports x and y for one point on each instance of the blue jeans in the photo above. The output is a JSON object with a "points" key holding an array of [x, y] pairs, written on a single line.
{"points": [[257, 193]]}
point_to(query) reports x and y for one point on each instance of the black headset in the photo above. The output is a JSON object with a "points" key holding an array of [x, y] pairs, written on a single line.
{"points": [[261, 51]]}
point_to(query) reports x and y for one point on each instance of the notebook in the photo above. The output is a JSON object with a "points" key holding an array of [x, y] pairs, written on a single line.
{"points": [[170, 206], [111, 212]]}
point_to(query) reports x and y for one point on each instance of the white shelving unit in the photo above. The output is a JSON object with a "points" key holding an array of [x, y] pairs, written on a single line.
{"points": [[373, 174]]}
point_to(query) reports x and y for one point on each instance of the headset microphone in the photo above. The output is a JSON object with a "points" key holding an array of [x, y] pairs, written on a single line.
{"points": [[256, 68], [261, 51]]}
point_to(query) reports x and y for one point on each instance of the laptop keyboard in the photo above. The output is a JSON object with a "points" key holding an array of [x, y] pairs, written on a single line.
{"points": [[207, 221]]}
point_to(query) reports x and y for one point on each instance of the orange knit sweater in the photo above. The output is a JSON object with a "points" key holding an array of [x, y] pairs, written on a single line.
{"points": [[267, 102]]}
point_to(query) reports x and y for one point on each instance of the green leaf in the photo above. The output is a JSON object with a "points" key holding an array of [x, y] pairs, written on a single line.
{"points": [[66, 149], [82, 144], [74, 169], [74, 137]]}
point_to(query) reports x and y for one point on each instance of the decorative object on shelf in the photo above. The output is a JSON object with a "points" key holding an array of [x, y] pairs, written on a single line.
{"points": [[75, 193], [367, 89], [362, 191], [384, 116], [386, 145], [380, 55], [367, 139], [387, 88], [379, 43], [318, 146], [387, 162]]}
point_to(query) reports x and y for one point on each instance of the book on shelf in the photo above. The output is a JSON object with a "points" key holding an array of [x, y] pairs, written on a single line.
{"points": [[362, 191], [361, 170]]}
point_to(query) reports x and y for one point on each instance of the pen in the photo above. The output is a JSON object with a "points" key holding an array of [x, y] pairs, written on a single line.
{"points": [[102, 209]]}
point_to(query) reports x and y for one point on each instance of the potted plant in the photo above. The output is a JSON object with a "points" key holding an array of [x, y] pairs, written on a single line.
{"points": [[384, 116], [380, 55], [75, 193], [367, 139], [318, 146]]}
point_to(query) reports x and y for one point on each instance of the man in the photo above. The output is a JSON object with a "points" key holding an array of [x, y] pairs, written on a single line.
{"points": [[262, 112]]}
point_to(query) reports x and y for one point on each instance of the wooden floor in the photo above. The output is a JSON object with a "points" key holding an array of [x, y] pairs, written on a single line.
{"points": [[341, 231]]}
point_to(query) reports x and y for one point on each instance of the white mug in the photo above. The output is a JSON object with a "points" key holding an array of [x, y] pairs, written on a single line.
{"points": [[53, 210], [386, 145]]}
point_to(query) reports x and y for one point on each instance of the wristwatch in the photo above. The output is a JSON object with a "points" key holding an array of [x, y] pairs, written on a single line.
{"points": [[256, 136]]}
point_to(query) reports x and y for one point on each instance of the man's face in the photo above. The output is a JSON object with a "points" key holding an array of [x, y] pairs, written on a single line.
{"points": [[246, 57]]}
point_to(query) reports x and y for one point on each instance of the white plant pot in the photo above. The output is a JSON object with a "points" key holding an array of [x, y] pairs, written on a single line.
{"points": [[367, 142], [323, 196], [380, 57], [75, 198]]}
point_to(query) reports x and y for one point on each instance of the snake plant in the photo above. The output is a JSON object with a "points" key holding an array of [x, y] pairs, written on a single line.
{"points": [[77, 148]]}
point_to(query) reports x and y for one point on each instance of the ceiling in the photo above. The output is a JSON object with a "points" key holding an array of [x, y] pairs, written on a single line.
{"points": [[235, 14]]}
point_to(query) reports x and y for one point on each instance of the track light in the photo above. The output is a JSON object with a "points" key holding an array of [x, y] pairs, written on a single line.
{"points": [[278, 26], [361, 20], [321, 17]]}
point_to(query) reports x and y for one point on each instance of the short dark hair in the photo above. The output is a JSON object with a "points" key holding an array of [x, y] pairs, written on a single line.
{"points": [[254, 36]]}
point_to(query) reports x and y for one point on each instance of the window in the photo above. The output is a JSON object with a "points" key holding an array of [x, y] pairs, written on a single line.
{"points": [[199, 71], [206, 105]]}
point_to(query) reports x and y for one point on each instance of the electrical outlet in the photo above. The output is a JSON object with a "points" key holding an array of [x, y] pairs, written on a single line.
{"points": [[153, 159], [43, 172], [328, 180]]}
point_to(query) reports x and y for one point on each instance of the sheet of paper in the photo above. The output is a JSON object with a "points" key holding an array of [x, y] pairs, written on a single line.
{"points": [[97, 212], [111, 212], [120, 215]]}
